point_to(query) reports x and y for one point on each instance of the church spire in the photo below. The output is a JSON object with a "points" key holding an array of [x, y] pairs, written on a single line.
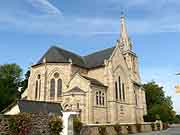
{"points": [[124, 38]]}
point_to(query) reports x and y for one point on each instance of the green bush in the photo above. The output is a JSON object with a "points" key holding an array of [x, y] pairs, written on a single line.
{"points": [[77, 125], [158, 126], [20, 124], [129, 128], [56, 125], [153, 126], [118, 129], [102, 130], [138, 127]]}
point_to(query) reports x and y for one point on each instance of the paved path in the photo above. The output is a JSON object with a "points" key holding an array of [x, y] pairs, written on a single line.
{"points": [[171, 131]]}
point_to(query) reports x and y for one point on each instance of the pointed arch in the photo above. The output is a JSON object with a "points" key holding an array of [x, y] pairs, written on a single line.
{"points": [[56, 69], [52, 88], [97, 98], [59, 87], [36, 89], [39, 89], [61, 75]]}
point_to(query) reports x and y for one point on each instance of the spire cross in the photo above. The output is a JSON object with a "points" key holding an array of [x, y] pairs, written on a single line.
{"points": [[122, 13]]}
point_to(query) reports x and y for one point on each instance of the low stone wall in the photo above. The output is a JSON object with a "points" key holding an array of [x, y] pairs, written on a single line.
{"points": [[146, 128], [39, 125], [125, 129]]}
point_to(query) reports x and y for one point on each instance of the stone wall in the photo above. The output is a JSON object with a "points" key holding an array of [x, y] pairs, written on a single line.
{"points": [[125, 129], [39, 125]]}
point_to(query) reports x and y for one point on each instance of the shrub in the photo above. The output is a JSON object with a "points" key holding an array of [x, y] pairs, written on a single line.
{"points": [[20, 124], [118, 129], [56, 125], [102, 130], [153, 126], [129, 128], [158, 126], [138, 127], [77, 125]]}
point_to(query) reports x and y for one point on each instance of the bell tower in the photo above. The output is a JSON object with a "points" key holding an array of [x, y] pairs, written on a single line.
{"points": [[124, 38], [126, 46]]}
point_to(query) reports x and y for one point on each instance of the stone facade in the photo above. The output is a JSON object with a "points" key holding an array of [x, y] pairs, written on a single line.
{"points": [[120, 99]]}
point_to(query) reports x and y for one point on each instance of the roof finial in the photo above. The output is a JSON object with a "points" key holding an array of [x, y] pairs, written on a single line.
{"points": [[122, 14], [44, 60]]}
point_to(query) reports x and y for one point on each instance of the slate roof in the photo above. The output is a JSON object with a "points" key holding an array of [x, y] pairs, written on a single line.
{"points": [[39, 107], [94, 81], [97, 59], [59, 55]]}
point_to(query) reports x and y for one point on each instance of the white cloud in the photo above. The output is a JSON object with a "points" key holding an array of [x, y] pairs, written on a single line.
{"points": [[52, 22], [45, 6]]}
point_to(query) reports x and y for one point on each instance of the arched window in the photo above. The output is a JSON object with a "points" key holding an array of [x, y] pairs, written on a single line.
{"points": [[100, 102], [97, 98], [77, 105], [52, 88], [56, 86], [123, 89], [36, 89], [120, 93], [39, 89], [59, 87], [116, 90], [103, 99]]}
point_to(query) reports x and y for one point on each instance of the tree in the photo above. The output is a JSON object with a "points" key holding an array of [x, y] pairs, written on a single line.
{"points": [[159, 106], [24, 83], [10, 79], [177, 119]]}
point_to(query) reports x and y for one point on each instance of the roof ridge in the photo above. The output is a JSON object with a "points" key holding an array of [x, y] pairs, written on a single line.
{"points": [[57, 54], [47, 102], [99, 51], [66, 50]]}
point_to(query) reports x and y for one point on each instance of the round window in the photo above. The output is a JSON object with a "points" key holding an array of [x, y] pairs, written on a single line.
{"points": [[56, 75], [39, 76]]}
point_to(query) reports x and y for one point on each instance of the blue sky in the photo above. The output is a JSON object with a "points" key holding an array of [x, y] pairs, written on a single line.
{"points": [[29, 27]]}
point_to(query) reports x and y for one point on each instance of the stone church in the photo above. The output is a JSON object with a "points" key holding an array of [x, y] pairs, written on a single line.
{"points": [[103, 87]]}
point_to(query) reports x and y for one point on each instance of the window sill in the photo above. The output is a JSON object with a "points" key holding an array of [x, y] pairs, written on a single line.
{"points": [[96, 106]]}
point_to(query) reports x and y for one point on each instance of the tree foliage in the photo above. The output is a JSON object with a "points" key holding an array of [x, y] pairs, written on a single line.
{"points": [[159, 106], [56, 125], [177, 119], [77, 125], [24, 83], [10, 79]]}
